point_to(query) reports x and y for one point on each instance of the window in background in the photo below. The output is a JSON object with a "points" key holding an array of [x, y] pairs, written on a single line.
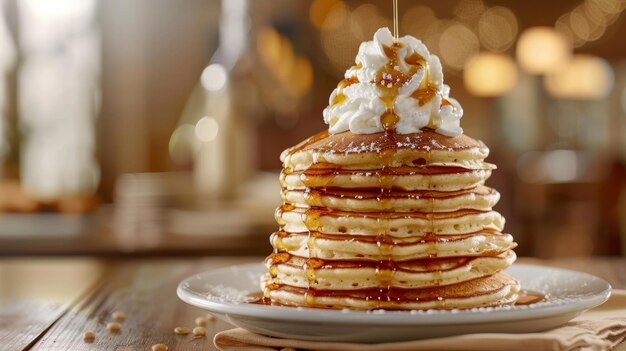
{"points": [[58, 101], [49, 101]]}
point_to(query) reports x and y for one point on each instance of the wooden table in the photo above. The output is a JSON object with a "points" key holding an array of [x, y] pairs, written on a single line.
{"points": [[48, 303]]}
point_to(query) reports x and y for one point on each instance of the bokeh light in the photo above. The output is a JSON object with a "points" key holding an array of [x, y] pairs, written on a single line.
{"points": [[469, 10], [457, 45], [490, 74], [589, 20], [213, 77], [337, 38], [319, 10], [416, 21], [365, 20], [207, 129], [542, 50], [302, 76], [268, 45], [580, 26], [584, 77], [277, 54], [497, 29], [337, 16]]}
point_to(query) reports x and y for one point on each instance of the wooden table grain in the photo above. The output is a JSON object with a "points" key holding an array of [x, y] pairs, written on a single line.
{"points": [[48, 303]]}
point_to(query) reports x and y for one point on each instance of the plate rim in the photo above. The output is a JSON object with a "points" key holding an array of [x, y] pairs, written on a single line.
{"points": [[334, 316]]}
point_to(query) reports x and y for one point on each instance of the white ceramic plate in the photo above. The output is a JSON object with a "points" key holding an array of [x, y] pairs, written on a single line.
{"points": [[224, 292]]}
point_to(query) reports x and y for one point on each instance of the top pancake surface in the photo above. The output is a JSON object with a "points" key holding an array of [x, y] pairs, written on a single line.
{"points": [[426, 140]]}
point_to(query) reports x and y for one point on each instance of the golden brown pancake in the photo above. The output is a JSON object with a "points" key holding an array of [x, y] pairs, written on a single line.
{"points": [[385, 150], [494, 290], [398, 249], [479, 198], [348, 142], [339, 274]]}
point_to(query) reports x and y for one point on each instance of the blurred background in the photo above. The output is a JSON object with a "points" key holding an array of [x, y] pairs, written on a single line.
{"points": [[154, 127]]}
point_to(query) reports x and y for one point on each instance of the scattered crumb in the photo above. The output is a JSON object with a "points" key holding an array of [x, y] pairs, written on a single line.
{"points": [[159, 347], [114, 327], [118, 316], [210, 317], [182, 330], [199, 331], [201, 321], [89, 336]]}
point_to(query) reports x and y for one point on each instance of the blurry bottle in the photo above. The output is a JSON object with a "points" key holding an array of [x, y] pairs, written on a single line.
{"points": [[215, 127]]}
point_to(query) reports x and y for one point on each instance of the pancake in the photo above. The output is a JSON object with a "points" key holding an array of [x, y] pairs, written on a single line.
{"points": [[345, 275], [494, 290], [293, 219], [356, 247], [389, 179], [479, 198], [378, 150]]}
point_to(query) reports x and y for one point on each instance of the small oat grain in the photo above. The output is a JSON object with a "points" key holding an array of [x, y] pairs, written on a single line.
{"points": [[159, 347], [89, 336], [199, 331], [182, 330], [210, 317], [114, 327], [201, 322], [118, 316]]}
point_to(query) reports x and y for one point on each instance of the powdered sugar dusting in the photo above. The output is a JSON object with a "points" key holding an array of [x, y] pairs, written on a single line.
{"points": [[362, 147], [225, 294]]}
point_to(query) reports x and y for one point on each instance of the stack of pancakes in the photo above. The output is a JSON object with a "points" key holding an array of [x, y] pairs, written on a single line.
{"points": [[391, 221]]}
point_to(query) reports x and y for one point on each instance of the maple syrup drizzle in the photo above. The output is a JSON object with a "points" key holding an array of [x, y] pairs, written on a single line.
{"points": [[315, 213], [274, 260], [419, 264], [424, 95], [347, 82], [395, 20], [309, 141], [528, 297], [339, 98], [390, 78]]}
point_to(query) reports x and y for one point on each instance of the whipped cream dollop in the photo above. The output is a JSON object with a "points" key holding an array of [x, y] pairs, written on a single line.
{"points": [[395, 85]]}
